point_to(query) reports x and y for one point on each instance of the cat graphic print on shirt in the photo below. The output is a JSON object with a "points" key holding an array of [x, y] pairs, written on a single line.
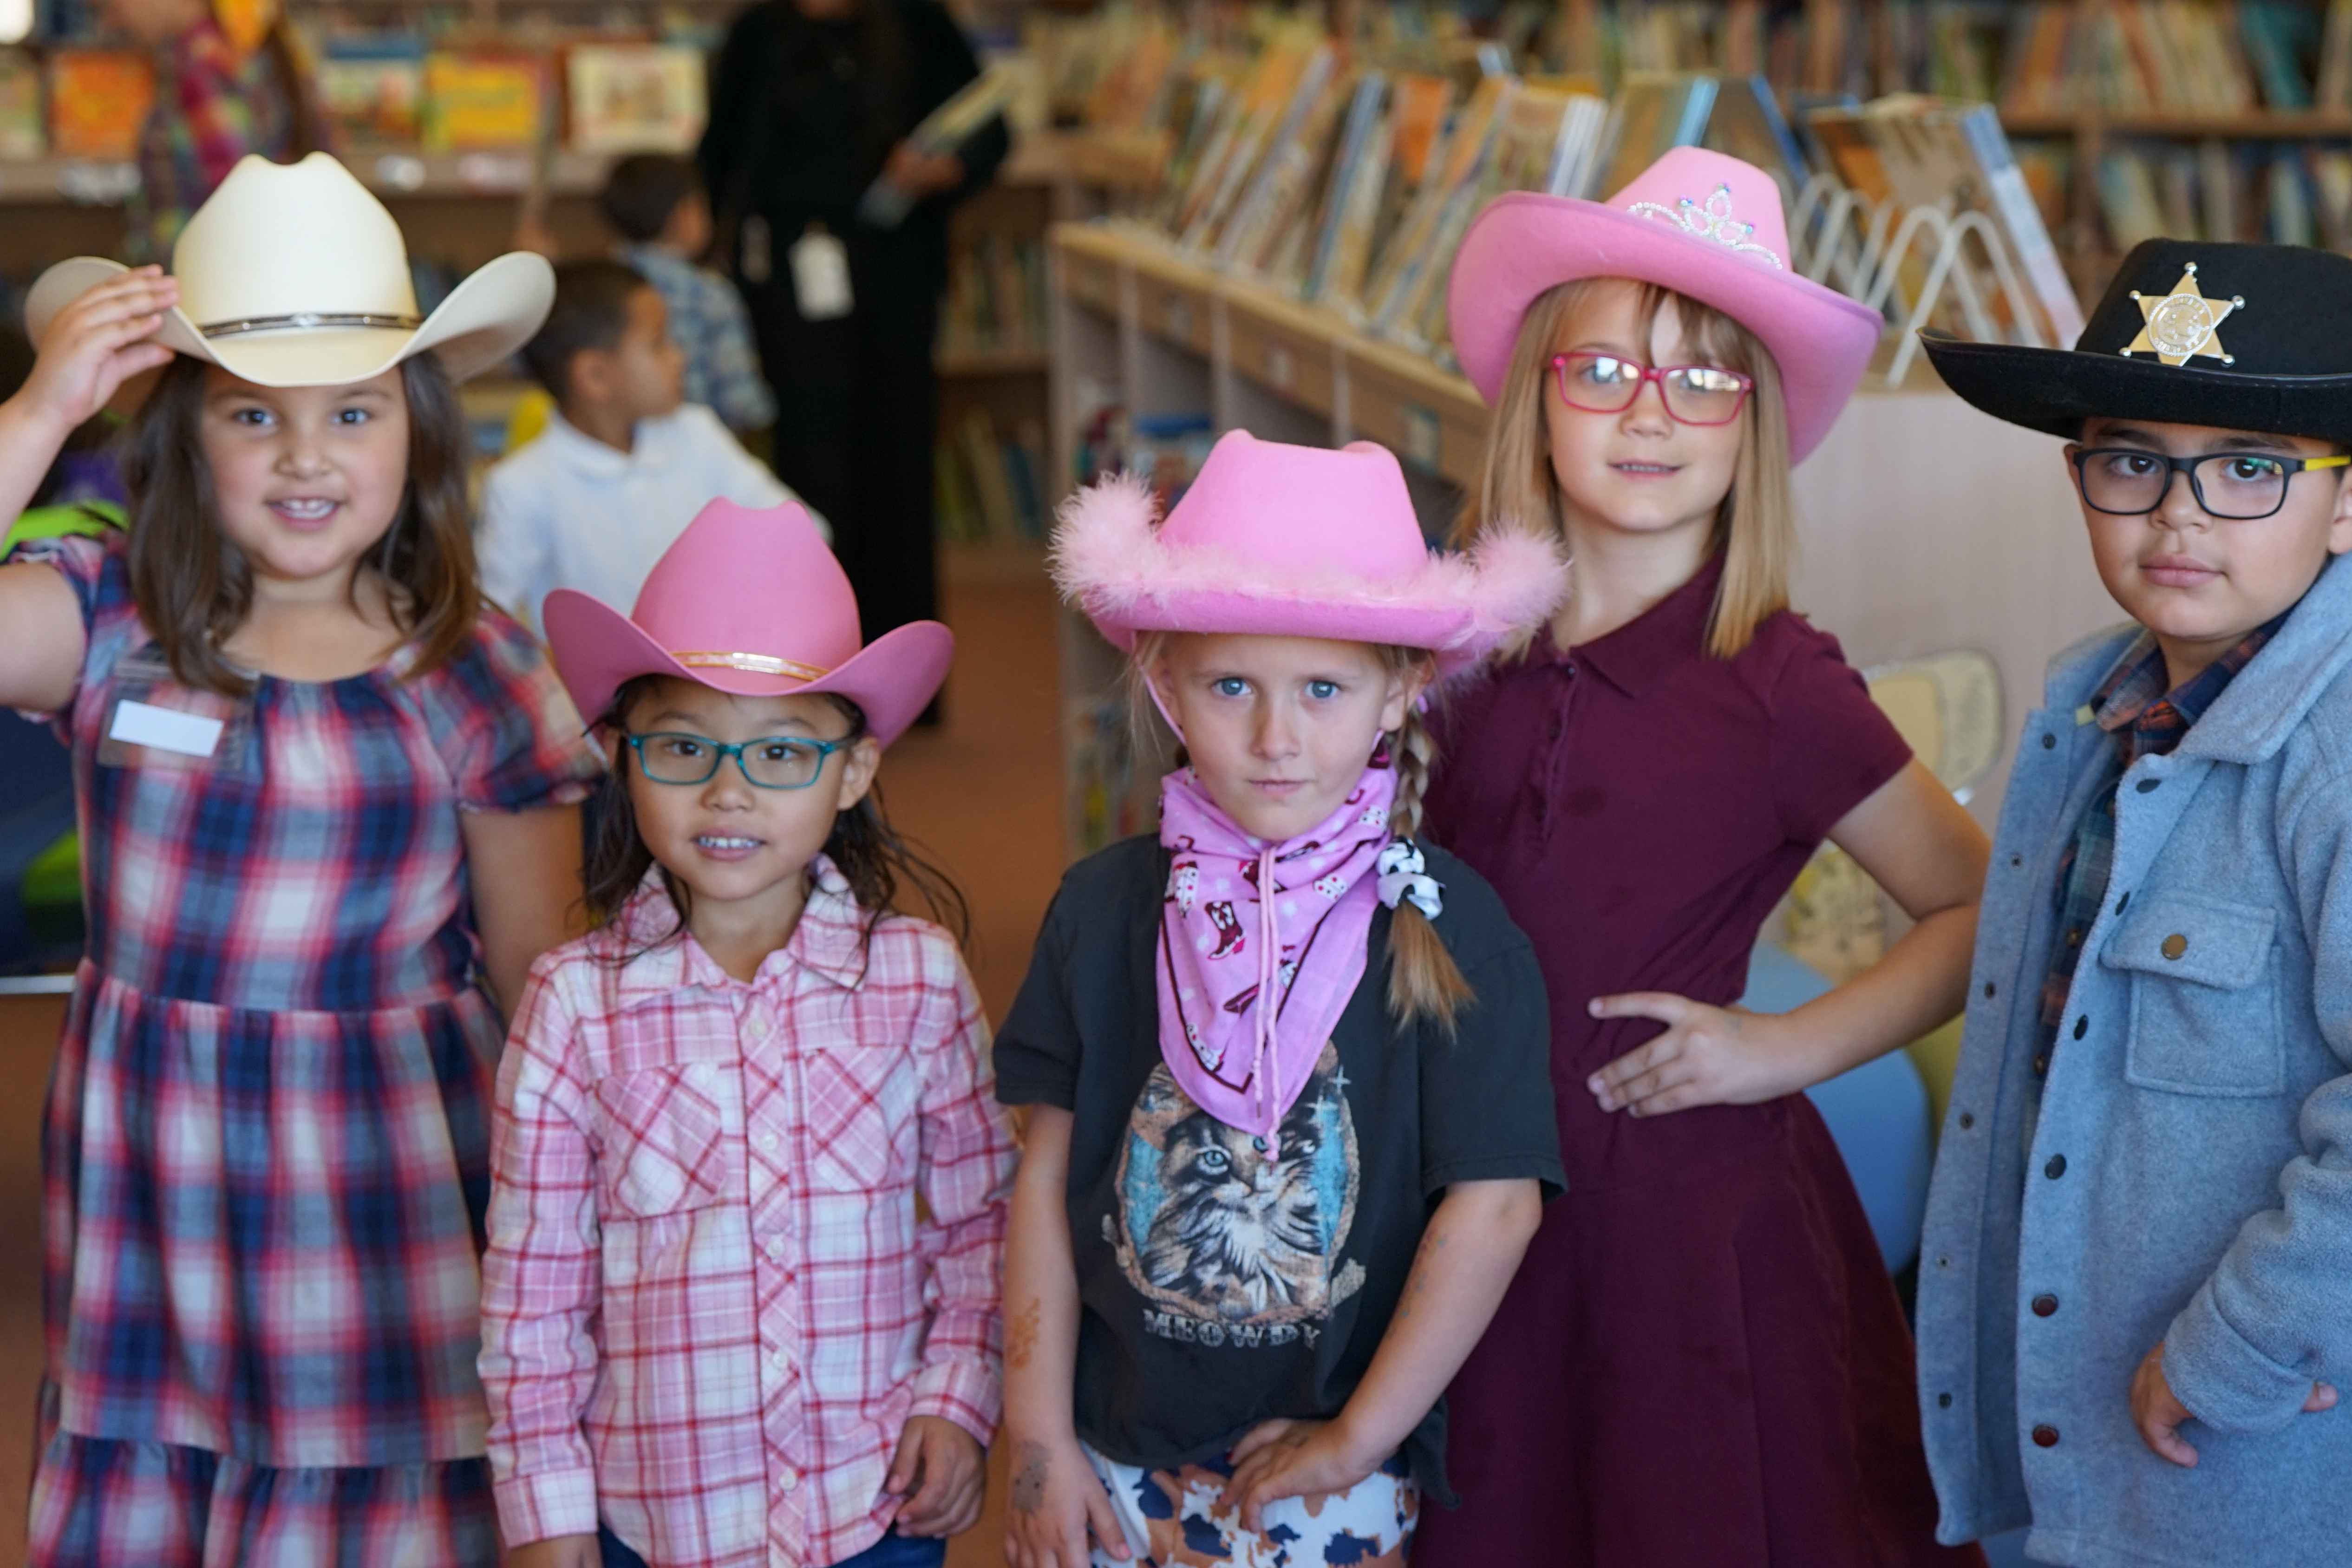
{"points": [[1229, 1242]]}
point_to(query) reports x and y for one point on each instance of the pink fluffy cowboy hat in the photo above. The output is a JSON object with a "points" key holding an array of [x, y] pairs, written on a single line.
{"points": [[750, 603], [1296, 542], [1696, 222]]}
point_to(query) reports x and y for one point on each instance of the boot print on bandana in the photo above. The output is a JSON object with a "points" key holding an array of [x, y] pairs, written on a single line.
{"points": [[1230, 939]]}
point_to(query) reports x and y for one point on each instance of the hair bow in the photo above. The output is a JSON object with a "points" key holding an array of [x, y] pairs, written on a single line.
{"points": [[1404, 874]]}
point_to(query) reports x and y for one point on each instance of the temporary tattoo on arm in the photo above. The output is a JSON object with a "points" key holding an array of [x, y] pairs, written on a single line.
{"points": [[1432, 1242], [1029, 1478], [1020, 1335]]}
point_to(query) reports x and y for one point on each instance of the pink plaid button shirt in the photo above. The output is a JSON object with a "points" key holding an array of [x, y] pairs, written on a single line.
{"points": [[708, 1307]]}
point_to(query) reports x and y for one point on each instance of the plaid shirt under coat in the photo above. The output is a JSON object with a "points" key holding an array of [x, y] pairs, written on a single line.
{"points": [[2146, 721], [708, 1307]]}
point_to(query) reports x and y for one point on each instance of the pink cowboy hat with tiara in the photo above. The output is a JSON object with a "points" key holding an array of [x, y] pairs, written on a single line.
{"points": [[1296, 542], [1696, 222], [750, 603]]}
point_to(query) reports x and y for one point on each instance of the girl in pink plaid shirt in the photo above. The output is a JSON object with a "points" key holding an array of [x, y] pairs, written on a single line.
{"points": [[715, 1331]]}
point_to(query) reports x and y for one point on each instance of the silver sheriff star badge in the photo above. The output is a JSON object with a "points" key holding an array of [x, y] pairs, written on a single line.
{"points": [[2183, 324]]}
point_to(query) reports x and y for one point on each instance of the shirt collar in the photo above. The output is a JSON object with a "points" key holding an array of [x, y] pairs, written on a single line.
{"points": [[2133, 704], [828, 943], [599, 461], [1673, 630]]}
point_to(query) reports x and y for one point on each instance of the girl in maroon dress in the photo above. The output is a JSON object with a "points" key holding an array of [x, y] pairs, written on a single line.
{"points": [[1702, 1362]]}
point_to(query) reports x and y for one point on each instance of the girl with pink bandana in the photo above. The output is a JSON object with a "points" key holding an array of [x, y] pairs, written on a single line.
{"points": [[1290, 1117]]}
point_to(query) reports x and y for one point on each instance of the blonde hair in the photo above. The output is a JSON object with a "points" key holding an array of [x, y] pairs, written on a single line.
{"points": [[1755, 528], [1424, 983]]}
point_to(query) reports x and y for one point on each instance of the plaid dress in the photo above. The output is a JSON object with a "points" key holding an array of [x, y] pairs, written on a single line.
{"points": [[266, 1150]]}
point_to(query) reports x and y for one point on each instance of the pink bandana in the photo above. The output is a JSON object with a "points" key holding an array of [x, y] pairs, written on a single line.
{"points": [[1225, 949]]}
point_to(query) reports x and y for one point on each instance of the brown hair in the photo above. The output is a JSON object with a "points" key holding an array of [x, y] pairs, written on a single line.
{"points": [[863, 845], [1424, 983], [192, 584], [1755, 529]]}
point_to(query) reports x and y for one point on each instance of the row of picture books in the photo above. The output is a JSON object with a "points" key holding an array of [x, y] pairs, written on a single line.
{"points": [[995, 300], [988, 485], [1349, 186], [2287, 193], [596, 94], [2139, 56]]}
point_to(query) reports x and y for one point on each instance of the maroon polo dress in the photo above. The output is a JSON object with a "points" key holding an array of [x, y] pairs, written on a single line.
{"points": [[1702, 1362]]}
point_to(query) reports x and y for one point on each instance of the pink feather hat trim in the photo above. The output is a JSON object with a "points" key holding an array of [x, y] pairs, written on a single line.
{"points": [[1297, 542]]}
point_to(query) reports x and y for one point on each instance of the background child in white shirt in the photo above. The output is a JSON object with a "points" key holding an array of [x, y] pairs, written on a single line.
{"points": [[624, 463]]}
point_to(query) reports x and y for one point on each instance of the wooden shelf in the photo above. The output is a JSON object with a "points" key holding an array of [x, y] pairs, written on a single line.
{"points": [[2264, 125], [1263, 352], [392, 172], [976, 365]]}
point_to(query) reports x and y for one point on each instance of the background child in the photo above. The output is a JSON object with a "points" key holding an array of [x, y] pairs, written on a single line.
{"points": [[712, 1321], [2147, 1151], [657, 204], [1702, 1361], [1220, 1301], [623, 465], [327, 808]]}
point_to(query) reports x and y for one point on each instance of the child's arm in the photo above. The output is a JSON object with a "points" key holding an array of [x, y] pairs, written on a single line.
{"points": [[96, 343], [1468, 1254], [1055, 1499], [522, 871], [965, 1176], [1925, 850], [542, 1282]]}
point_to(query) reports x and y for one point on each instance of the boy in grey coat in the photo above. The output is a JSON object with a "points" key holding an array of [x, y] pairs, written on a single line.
{"points": [[2136, 1286]]}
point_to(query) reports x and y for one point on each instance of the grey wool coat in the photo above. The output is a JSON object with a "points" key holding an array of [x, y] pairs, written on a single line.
{"points": [[2190, 1176]]}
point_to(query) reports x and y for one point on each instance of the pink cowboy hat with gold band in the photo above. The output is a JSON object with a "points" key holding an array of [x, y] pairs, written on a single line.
{"points": [[1296, 542], [750, 603], [1699, 223]]}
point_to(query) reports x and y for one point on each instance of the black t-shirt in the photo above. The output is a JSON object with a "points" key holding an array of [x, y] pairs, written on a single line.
{"points": [[1216, 1292]]}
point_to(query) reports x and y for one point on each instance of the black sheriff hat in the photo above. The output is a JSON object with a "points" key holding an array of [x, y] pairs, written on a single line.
{"points": [[2239, 337]]}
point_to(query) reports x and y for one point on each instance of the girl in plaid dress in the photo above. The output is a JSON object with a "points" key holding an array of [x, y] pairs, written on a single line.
{"points": [[328, 819]]}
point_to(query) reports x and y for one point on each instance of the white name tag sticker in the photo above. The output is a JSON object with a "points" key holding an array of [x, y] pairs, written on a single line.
{"points": [[820, 276], [165, 729]]}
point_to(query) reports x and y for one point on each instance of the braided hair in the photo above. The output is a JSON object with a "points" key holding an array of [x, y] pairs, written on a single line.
{"points": [[1424, 983]]}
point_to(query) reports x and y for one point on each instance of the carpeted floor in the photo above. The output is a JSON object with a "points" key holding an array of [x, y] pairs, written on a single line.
{"points": [[983, 792]]}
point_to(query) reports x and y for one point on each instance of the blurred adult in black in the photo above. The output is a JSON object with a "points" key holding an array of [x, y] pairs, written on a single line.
{"points": [[812, 100]]}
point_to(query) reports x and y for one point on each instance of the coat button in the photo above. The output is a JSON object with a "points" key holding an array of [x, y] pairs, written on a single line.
{"points": [[2082, 1026], [2045, 1437], [2121, 902], [2174, 945], [1988, 990], [2015, 861], [2049, 742], [2147, 787], [2042, 1065], [1968, 1120], [1943, 1402], [2056, 1168], [2045, 1305]]}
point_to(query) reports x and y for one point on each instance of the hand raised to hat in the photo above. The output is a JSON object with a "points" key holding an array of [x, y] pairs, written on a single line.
{"points": [[94, 345]]}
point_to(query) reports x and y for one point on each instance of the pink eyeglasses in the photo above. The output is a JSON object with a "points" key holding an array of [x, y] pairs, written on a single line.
{"points": [[1693, 394]]}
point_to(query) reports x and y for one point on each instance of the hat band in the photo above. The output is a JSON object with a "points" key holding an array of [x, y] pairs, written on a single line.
{"points": [[756, 663], [305, 319]]}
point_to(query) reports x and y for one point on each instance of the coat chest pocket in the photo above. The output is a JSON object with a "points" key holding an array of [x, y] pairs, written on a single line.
{"points": [[665, 1138], [2204, 996]]}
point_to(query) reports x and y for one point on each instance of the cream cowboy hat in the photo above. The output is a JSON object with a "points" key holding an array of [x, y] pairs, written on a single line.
{"points": [[294, 274]]}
